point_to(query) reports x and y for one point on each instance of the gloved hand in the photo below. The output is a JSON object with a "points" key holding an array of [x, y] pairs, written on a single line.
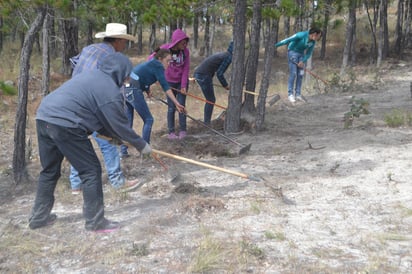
{"points": [[146, 150]]}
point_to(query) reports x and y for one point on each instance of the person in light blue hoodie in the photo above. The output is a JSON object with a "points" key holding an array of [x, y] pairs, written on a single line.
{"points": [[300, 49]]}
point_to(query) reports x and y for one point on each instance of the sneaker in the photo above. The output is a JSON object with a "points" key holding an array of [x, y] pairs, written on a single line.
{"points": [[129, 185], [105, 226], [124, 155], [291, 98], [300, 98], [172, 136], [50, 220], [182, 134], [76, 191]]}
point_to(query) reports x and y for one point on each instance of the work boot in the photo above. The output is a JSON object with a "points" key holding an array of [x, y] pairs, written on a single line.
{"points": [[50, 220], [105, 226]]}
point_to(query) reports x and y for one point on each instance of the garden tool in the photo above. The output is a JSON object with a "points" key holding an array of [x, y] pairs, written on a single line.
{"points": [[200, 98], [243, 149], [173, 156]]}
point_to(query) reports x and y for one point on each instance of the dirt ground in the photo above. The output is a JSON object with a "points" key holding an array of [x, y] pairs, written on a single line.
{"points": [[321, 198]]}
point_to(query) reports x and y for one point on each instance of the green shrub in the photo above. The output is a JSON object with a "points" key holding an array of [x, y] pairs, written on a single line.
{"points": [[398, 118]]}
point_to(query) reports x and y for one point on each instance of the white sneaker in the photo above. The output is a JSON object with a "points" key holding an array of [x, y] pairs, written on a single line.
{"points": [[291, 98], [300, 98]]}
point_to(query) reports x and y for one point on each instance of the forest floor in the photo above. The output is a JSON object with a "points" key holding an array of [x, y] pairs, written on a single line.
{"points": [[321, 199]]}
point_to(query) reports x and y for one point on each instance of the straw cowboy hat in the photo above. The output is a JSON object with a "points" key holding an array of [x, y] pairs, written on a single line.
{"points": [[115, 30]]}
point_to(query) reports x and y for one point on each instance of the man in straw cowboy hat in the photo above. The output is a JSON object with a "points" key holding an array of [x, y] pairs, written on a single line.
{"points": [[115, 39]]}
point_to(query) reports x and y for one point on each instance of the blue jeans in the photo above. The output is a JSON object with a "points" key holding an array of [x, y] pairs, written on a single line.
{"points": [[172, 109], [55, 143], [295, 73], [136, 101], [112, 161], [206, 85]]}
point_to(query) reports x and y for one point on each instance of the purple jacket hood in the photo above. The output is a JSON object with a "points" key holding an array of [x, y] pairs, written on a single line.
{"points": [[177, 36]]}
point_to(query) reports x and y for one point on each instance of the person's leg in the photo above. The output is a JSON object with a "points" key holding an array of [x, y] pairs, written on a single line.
{"points": [[171, 109], [75, 181], [299, 77], [206, 85], [78, 149], [112, 161], [293, 69], [50, 159], [140, 105], [182, 117], [130, 114], [146, 115]]}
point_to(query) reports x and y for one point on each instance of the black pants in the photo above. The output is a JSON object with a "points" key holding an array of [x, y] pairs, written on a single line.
{"points": [[55, 143]]}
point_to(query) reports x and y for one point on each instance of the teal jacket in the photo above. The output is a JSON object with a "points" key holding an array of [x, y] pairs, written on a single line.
{"points": [[300, 43]]}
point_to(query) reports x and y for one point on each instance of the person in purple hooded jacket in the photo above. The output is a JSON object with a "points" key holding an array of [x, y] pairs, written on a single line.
{"points": [[177, 75]]}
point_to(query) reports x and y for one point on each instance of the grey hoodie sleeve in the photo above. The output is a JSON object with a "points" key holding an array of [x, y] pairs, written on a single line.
{"points": [[115, 122]]}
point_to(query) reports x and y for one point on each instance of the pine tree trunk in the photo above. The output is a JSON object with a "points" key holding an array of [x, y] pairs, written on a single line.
{"points": [[207, 35], [232, 119], [70, 41], [1, 33], [45, 81], [19, 160], [267, 71], [350, 29], [195, 30], [253, 59], [399, 29], [152, 39]]}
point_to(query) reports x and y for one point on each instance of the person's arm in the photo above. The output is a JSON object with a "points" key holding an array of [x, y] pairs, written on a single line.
{"points": [[294, 37], [160, 76], [185, 71], [222, 69], [114, 121], [172, 97], [308, 53]]}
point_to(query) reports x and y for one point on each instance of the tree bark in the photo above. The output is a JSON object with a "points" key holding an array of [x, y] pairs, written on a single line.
{"points": [[207, 34], [267, 70], [20, 173], [350, 30], [232, 119], [195, 29], [399, 29], [70, 41], [328, 7], [45, 81], [1, 33], [152, 39], [139, 38], [253, 59]]}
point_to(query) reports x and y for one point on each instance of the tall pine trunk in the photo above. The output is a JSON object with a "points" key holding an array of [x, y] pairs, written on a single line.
{"points": [[272, 25], [253, 59], [19, 160], [232, 119]]}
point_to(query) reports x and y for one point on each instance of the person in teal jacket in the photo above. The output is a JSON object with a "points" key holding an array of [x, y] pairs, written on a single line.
{"points": [[300, 49]]}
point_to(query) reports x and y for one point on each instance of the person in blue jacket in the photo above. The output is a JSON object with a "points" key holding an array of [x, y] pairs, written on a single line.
{"points": [[214, 64], [300, 49], [141, 78]]}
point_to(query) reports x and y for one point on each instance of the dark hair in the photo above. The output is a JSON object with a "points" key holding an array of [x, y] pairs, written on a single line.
{"points": [[109, 39], [315, 30], [161, 53]]}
